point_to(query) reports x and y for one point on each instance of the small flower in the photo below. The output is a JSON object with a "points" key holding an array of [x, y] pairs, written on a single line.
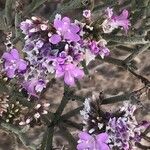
{"points": [[87, 14], [70, 72], [66, 29], [34, 85], [26, 25], [13, 63], [113, 21], [92, 142], [99, 48]]}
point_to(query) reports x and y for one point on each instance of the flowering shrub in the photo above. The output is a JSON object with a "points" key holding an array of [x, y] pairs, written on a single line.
{"points": [[61, 50]]}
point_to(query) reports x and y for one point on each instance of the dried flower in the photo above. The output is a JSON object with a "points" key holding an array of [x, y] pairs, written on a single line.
{"points": [[87, 14]]}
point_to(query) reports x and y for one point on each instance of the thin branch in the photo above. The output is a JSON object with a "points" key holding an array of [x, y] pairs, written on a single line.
{"points": [[125, 39], [68, 136], [73, 124], [47, 143], [113, 61], [72, 113], [8, 12], [137, 52], [19, 133]]}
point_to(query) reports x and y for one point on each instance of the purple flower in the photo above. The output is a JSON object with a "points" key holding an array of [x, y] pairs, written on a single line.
{"points": [[124, 131], [34, 85], [70, 72], [65, 29], [94, 47], [13, 63], [113, 21], [92, 142], [26, 25], [99, 48]]}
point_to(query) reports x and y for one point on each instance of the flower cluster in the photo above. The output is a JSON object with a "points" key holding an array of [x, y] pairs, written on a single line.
{"points": [[121, 128], [113, 21], [56, 48], [34, 116], [125, 131]]}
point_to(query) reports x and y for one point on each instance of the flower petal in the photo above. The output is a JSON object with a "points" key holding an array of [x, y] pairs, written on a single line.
{"points": [[55, 39], [11, 72], [69, 79], [103, 137], [15, 54], [7, 56], [22, 65], [84, 136]]}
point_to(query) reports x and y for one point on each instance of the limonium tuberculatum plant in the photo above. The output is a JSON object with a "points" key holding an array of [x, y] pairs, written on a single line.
{"points": [[61, 49]]}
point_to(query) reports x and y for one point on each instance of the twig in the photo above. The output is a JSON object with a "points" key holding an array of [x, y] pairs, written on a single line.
{"points": [[143, 79], [18, 16], [113, 61], [68, 136], [48, 136], [33, 6], [8, 12], [48, 139], [72, 113], [125, 39], [73, 124], [19, 133], [137, 52]]}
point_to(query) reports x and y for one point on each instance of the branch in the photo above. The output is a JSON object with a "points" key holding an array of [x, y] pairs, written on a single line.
{"points": [[8, 12], [73, 124], [114, 99], [137, 52], [143, 79], [33, 6], [125, 39], [113, 61], [19, 133], [48, 136], [68, 136], [72, 113], [47, 143]]}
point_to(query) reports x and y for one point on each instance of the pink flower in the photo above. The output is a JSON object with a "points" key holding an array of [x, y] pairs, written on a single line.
{"points": [[65, 29], [34, 85], [99, 48], [113, 21], [69, 72], [13, 63]]}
